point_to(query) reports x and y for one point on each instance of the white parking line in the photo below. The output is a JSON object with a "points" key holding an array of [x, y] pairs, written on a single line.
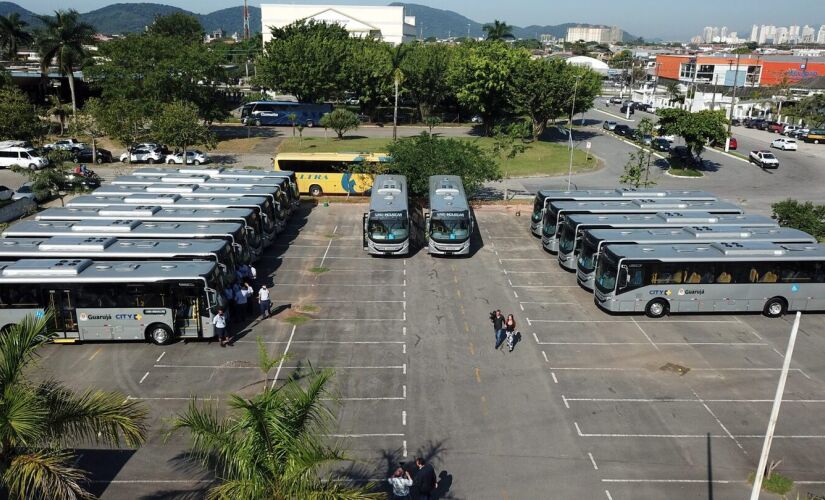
{"points": [[690, 436], [330, 257], [335, 284], [143, 378], [565, 402], [645, 334], [551, 303], [377, 434], [160, 357], [666, 399], [607, 492], [738, 444], [663, 321], [670, 344], [545, 357], [688, 481], [255, 367], [592, 461], [286, 350], [322, 342], [404, 318], [150, 481], [546, 286]]}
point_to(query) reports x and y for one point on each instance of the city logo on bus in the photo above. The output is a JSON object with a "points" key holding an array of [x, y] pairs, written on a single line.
{"points": [[87, 317], [661, 292], [136, 316], [682, 291]]}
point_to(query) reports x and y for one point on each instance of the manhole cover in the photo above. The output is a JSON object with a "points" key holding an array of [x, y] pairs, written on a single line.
{"points": [[672, 367]]}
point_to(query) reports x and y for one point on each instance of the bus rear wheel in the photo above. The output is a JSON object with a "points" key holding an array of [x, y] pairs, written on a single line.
{"points": [[159, 334], [310, 124], [315, 190], [775, 307], [657, 308]]}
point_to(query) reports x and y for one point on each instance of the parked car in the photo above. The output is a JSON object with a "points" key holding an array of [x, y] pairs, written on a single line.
{"points": [[776, 127], [788, 130], [784, 144], [764, 159], [85, 156], [647, 140], [22, 156], [153, 146], [733, 143], [623, 130], [763, 124], [660, 144], [616, 100], [193, 157], [5, 193], [624, 108], [609, 125], [736, 122], [800, 133], [142, 156], [67, 145]]}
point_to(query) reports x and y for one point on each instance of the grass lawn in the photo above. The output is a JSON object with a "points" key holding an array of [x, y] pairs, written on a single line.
{"points": [[541, 158], [685, 172]]}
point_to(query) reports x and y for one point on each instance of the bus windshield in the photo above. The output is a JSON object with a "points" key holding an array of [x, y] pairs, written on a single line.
{"points": [[388, 228], [588, 253], [550, 218], [227, 258], [538, 205], [449, 230], [606, 273], [567, 238]]}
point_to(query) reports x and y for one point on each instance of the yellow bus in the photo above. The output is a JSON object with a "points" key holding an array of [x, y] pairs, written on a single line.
{"points": [[329, 173]]}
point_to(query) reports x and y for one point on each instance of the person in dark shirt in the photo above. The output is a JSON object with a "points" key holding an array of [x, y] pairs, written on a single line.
{"points": [[498, 326], [425, 482]]}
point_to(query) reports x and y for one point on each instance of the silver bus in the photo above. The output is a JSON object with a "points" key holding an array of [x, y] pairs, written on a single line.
{"points": [[113, 300], [111, 248], [386, 228], [231, 232], [449, 222], [273, 182], [595, 240], [250, 219], [269, 227], [737, 276], [557, 210], [545, 196], [575, 225], [276, 207], [238, 173]]}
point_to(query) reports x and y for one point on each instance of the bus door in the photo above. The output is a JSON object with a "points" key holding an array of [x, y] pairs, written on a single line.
{"points": [[364, 223], [65, 316], [191, 313]]}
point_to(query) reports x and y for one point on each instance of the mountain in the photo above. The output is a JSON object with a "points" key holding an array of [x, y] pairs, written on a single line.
{"points": [[127, 17], [231, 20], [28, 16], [443, 23]]}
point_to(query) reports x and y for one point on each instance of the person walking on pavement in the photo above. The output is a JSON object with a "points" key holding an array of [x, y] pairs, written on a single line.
{"points": [[240, 300], [400, 483], [250, 299], [510, 329], [498, 326], [219, 321], [425, 482], [264, 302]]}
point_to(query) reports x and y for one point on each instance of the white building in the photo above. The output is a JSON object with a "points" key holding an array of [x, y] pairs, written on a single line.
{"points": [[589, 62], [594, 34], [808, 34], [820, 36], [385, 23], [754, 33]]}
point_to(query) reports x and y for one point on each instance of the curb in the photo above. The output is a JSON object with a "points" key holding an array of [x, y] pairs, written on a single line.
{"points": [[728, 154], [667, 172]]}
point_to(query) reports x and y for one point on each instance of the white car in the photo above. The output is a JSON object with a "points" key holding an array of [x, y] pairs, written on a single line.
{"points": [[784, 144], [193, 157], [5, 193], [67, 145], [142, 156]]}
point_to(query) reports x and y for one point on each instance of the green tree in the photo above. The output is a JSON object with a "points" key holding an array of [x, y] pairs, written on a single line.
{"points": [[124, 120], [697, 129], [369, 74], [179, 126], [543, 90], [804, 216], [307, 60], [13, 35], [672, 90], [341, 121], [424, 155], [621, 57], [529, 44], [85, 124], [396, 54], [498, 30], [482, 78], [60, 111], [50, 181], [61, 41], [42, 419], [177, 25], [425, 75], [431, 122], [637, 169], [812, 109], [271, 445], [20, 121], [579, 48]]}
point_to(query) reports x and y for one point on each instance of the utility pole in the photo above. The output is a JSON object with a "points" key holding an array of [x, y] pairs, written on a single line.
{"points": [[693, 83], [713, 99], [245, 20], [732, 102], [570, 130], [777, 402]]}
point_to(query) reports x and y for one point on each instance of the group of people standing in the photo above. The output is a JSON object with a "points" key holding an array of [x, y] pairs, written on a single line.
{"points": [[420, 485], [505, 329], [240, 299]]}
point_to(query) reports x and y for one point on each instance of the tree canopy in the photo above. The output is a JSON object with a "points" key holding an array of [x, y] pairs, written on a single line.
{"points": [[804, 216], [20, 121], [13, 35], [177, 25], [697, 129], [179, 126], [424, 155], [498, 30]]}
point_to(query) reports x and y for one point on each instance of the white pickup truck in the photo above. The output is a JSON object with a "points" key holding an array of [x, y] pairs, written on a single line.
{"points": [[67, 145], [764, 159]]}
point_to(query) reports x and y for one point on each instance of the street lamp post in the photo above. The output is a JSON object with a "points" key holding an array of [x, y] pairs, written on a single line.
{"points": [[570, 130], [732, 102]]}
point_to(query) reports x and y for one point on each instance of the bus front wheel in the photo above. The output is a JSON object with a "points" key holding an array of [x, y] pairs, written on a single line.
{"points": [[315, 190], [657, 308], [310, 124], [159, 334], [775, 307]]}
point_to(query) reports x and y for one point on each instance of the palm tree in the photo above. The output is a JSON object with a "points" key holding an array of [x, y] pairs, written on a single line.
{"points": [[397, 55], [271, 446], [13, 34], [38, 419], [499, 30], [58, 110], [61, 41]]}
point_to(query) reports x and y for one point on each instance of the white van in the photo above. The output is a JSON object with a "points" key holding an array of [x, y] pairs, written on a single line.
{"points": [[21, 156]]}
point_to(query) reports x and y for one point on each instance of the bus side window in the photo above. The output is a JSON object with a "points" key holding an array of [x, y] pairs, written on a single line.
{"points": [[723, 277]]}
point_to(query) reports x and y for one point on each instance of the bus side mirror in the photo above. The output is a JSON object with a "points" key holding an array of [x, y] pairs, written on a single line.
{"points": [[427, 225], [364, 226]]}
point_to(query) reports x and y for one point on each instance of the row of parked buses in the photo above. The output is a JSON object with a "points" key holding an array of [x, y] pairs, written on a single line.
{"points": [[389, 228], [150, 256], [657, 252]]}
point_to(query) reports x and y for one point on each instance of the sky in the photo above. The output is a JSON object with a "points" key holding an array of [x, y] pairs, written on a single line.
{"points": [[666, 19]]}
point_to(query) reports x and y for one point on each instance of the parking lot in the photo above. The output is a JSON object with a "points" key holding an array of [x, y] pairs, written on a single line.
{"points": [[587, 406]]}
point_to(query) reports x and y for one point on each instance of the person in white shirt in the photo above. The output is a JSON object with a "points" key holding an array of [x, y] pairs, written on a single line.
{"points": [[249, 292], [240, 300], [219, 321], [263, 301], [400, 482]]}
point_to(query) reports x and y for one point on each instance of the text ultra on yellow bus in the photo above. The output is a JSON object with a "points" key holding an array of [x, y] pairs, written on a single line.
{"points": [[330, 173]]}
